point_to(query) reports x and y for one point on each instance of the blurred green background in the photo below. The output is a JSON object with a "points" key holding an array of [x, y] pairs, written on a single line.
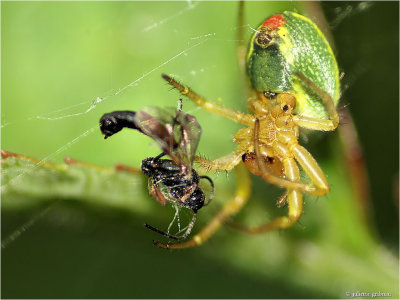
{"points": [[58, 58]]}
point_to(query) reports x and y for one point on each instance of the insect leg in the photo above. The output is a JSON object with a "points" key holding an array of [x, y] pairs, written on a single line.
{"points": [[155, 192], [121, 167], [159, 156], [232, 207], [212, 107], [211, 196], [178, 238]]}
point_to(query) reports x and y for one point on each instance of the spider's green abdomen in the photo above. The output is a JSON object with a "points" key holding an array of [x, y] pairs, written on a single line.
{"points": [[287, 44]]}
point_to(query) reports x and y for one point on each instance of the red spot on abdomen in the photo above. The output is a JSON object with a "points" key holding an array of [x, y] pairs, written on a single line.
{"points": [[274, 22]]}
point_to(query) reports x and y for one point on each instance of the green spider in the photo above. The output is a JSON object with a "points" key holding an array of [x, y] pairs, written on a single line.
{"points": [[294, 82]]}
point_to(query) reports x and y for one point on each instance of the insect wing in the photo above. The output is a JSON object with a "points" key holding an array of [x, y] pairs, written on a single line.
{"points": [[157, 123], [189, 132], [176, 132]]}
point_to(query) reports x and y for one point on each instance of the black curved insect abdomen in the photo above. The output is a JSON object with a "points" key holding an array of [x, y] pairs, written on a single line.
{"points": [[196, 200], [113, 122]]}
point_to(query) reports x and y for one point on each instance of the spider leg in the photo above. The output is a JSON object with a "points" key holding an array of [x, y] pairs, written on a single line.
{"points": [[274, 179], [241, 49], [294, 196], [241, 46], [212, 107], [294, 200], [232, 207], [315, 123], [225, 163], [312, 169], [282, 200]]}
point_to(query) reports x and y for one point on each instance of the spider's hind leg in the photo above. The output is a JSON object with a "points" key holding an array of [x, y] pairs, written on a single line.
{"points": [[315, 123], [294, 202]]}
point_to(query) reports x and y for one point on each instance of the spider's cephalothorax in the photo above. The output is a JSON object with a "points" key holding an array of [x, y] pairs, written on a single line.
{"points": [[276, 130]]}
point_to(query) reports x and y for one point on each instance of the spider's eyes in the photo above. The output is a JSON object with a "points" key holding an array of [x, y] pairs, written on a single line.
{"points": [[270, 95], [265, 37]]}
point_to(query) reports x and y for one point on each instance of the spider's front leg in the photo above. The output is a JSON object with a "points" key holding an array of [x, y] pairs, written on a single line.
{"points": [[210, 106], [225, 163]]}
